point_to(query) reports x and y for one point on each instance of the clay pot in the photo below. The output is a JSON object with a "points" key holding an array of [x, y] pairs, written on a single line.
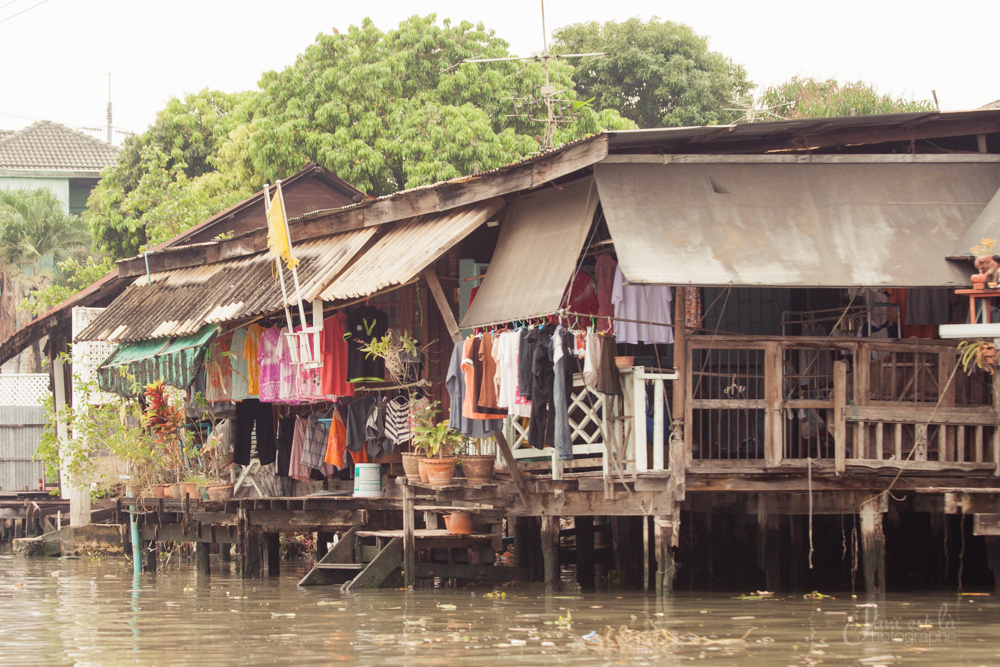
{"points": [[191, 489], [219, 491], [978, 280], [177, 490], [478, 468], [624, 362], [422, 470], [439, 471], [411, 466], [161, 491], [459, 523]]}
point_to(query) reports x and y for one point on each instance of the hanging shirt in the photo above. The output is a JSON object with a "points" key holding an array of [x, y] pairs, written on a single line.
{"points": [[250, 349], [308, 381], [604, 274], [296, 470], [455, 383], [363, 325], [506, 351], [643, 303], [336, 444], [219, 386], [287, 373], [333, 347], [487, 386], [241, 371], [270, 365]]}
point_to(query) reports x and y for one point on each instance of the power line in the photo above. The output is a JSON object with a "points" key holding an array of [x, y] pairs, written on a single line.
{"points": [[22, 11]]}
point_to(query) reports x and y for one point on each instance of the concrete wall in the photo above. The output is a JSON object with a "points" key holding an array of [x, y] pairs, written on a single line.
{"points": [[58, 186]]}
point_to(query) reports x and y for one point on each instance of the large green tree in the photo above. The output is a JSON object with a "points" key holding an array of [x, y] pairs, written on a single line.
{"points": [[157, 189], [805, 97], [657, 73], [398, 109]]}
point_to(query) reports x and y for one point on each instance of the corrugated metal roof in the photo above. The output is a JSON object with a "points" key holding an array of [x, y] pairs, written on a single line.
{"points": [[179, 302], [407, 249]]}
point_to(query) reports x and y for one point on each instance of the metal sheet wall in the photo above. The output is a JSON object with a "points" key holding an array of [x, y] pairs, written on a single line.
{"points": [[20, 429]]}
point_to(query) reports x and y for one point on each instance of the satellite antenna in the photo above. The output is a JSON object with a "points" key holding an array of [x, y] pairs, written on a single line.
{"points": [[556, 111]]}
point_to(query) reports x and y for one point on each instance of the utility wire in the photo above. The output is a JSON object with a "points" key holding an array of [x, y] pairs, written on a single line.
{"points": [[8, 4], [22, 11]]}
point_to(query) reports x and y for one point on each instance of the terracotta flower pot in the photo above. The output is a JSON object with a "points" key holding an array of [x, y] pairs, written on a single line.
{"points": [[422, 470], [219, 491], [478, 468], [411, 466], [459, 523], [978, 280], [439, 471], [191, 489], [177, 490], [161, 491]]}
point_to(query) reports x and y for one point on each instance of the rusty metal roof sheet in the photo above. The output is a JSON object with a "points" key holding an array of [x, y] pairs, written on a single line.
{"points": [[180, 302], [407, 249]]}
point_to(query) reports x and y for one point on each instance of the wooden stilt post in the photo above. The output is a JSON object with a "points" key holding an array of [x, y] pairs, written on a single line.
{"points": [[585, 551], [322, 539], [225, 552], [993, 559], [272, 542], [768, 544], [646, 559], [522, 537], [797, 552], [666, 569], [872, 547], [201, 558], [151, 552], [550, 552], [409, 539], [251, 565]]}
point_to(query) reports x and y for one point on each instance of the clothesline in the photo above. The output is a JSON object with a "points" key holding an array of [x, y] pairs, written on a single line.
{"points": [[418, 383], [565, 314]]}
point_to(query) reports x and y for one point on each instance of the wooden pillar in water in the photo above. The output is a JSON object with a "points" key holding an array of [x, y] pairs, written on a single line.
{"points": [[201, 559], [409, 537], [550, 552], [993, 559], [797, 551], [225, 552], [665, 537], [585, 551], [272, 542], [768, 544], [322, 539], [151, 553], [251, 564], [872, 547]]}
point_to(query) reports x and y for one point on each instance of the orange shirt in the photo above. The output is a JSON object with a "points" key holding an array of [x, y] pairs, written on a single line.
{"points": [[250, 348], [336, 444]]}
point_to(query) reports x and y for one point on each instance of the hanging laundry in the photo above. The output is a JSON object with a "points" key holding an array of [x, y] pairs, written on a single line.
{"points": [[288, 373], [270, 365], [219, 385], [541, 430], [241, 370], [336, 444], [455, 383], [473, 369], [250, 349], [356, 422], [562, 371], [648, 304], [252, 415], [363, 324], [604, 273], [296, 470], [487, 385], [506, 353], [286, 430], [314, 445], [396, 428], [333, 347]]}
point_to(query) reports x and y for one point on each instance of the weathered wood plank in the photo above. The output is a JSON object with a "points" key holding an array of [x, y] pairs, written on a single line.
{"points": [[839, 416], [388, 560], [306, 520], [434, 285], [986, 524], [512, 467]]}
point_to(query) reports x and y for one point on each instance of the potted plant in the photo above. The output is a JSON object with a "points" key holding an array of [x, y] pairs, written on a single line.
{"points": [[989, 269], [437, 441], [400, 353], [478, 467]]}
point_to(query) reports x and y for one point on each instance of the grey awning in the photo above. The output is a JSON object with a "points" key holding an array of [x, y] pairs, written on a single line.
{"points": [[987, 225], [795, 225], [536, 254]]}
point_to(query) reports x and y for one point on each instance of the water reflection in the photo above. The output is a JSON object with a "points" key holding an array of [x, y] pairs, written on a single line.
{"points": [[56, 612]]}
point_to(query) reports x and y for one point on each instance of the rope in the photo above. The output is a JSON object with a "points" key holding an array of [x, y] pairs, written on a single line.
{"points": [[809, 463]]}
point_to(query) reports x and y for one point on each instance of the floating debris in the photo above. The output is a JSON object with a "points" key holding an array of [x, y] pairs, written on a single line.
{"points": [[625, 639]]}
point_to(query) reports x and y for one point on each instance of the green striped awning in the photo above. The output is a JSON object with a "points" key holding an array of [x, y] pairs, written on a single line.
{"points": [[135, 364]]}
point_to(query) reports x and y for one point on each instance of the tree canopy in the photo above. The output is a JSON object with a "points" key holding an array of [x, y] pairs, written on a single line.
{"points": [[657, 73], [809, 98]]}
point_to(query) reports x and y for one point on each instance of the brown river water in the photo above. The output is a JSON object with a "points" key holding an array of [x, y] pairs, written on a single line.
{"points": [[87, 612]]}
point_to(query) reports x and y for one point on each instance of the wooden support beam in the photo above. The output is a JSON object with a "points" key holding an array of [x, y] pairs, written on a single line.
{"points": [[550, 552], [986, 525], [665, 536], [839, 417], [150, 554], [409, 544], [585, 551], [434, 285], [272, 543], [993, 560], [512, 468], [201, 559], [768, 543], [872, 548], [251, 564]]}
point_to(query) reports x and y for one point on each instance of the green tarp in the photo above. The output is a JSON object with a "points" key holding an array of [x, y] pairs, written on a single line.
{"points": [[174, 360]]}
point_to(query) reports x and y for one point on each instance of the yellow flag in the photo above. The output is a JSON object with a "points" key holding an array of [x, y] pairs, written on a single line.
{"points": [[277, 232]]}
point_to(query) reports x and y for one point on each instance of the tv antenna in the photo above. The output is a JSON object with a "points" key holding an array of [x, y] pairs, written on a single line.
{"points": [[557, 110]]}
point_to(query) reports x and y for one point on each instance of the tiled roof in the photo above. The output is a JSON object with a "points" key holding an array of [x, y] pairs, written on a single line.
{"points": [[49, 145]]}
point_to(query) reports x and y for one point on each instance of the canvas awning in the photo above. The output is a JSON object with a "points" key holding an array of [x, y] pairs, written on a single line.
{"points": [[174, 360], [794, 225], [536, 254]]}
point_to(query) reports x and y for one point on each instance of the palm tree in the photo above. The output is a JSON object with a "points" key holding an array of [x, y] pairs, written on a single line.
{"points": [[36, 234]]}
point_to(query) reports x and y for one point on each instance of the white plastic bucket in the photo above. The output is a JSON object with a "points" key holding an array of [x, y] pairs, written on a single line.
{"points": [[367, 480]]}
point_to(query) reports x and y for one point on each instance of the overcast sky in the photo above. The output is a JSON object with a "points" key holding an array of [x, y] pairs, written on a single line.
{"points": [[57, 54]]}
